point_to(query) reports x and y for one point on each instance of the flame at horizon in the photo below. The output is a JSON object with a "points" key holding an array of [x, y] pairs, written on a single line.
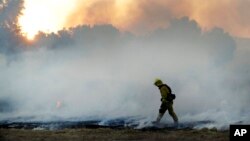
{"points": [[46, 16], [139, 17]]}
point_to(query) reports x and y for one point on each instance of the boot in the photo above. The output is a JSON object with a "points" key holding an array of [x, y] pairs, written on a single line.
{"points": [[176, 124], [160, 115]]}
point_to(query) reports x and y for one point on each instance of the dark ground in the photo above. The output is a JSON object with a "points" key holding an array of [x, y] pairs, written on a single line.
{"points": [[109, 134], [123, 129]]}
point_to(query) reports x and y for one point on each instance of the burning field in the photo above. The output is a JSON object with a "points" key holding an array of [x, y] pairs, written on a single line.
{"points": [[119, 129]]}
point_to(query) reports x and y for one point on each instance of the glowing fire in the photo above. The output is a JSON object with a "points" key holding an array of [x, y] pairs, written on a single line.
{"points": [[53, 15], [44, 15], [58, 104]]}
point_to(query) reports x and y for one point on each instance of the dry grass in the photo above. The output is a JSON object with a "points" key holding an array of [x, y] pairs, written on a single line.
{"points": [[106, 134]]}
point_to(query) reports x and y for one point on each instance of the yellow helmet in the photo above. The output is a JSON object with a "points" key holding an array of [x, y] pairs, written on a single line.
{"points": [[157, 81]]}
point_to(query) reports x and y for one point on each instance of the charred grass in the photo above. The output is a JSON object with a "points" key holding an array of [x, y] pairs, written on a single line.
{"points": [[107, 134]]}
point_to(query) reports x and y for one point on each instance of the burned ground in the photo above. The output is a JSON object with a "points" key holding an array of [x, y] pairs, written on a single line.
{"points": [[113, 130], [112, 135]]}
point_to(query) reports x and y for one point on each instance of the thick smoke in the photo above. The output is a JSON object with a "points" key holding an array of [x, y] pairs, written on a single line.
{"points": [[143, 16], [10, 40], [100, 73], [136, 16]]}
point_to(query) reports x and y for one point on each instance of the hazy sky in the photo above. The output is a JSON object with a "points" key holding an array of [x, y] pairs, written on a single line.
{"points": [[137, 16]]}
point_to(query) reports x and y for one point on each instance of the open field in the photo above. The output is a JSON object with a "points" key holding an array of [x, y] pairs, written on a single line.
{"points": [[108, 134]]}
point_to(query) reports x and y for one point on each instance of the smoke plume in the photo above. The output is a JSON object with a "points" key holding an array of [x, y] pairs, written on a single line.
{"points": [[143, 16]]}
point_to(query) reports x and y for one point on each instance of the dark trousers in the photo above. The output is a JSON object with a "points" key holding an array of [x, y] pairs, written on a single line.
{"points": [[168, 106]]}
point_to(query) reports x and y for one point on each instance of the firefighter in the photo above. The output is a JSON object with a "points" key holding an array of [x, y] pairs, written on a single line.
{"points": [[166, 102]]}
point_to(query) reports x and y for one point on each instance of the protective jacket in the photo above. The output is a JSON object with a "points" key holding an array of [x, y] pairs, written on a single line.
{"points": [[165, 91]]}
